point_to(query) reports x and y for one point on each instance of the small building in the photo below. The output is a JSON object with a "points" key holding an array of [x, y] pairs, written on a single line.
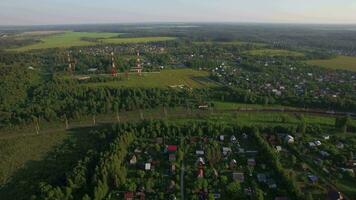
{"points": [[262, 178], [171, 148], [317, 143], [172, 157], [128, 195], [312, 179], [326, 137], [311, 144], [233, 163], [217, 195], [133, 160], [278, 148], [147, 166], [238, 176], [271, 183], [334, 195], [200, 173], [226, 151], [251, 162], [201, 161], [324, 154], [340, 145], [159, 140], [173, 168], [199, 152], [221, 137], [233, 138], [289, 139]]}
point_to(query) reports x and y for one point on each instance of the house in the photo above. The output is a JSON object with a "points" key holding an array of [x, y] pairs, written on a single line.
{"points": [[173, 168], [317, 143], [312, 144], [147, 166], [251, 162], [334, 195], [262, 178], [159, 140], [133, 160], [238, 176], [324, 153], [340, 145], [233, 163], [221, 137], [312, 179], [271, 183], [171, 148], [244, 135], [200, 173], [241, 150], [201, 161], [199, 152], [172, 157], [233, 138], [216, 195], [326, 137], [138, 151], [289, 139], [226, 151], [129, 196], [278, 148]]}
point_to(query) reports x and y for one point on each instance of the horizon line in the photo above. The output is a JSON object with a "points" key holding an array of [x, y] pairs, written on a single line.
{"points": [[182, 22]]}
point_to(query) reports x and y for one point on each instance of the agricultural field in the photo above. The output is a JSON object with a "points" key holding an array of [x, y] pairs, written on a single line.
{"points": [[235, 43], [340, 62], [74, 39], [274, 52], [166, 78], [135, 40]]}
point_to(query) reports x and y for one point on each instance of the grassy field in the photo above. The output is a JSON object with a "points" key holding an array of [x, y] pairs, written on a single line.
{"points": [[65, 40], [274, 52], [237, 43], [166, 78], [135, 40], [15, 152], [340, 62], [71, 39]]}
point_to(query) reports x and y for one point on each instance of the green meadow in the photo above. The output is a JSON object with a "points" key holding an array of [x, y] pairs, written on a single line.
{"points": [[74, 39], [166, 78], [339, 62], [274, 52]]}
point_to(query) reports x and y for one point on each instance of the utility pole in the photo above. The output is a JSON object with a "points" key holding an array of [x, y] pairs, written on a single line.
{"points": [[141, 115], [165, 112], [117, 116], [37, 125], [94, 120], [66, 122]]}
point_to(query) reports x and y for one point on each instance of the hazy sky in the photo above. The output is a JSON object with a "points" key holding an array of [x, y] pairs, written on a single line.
{"points": [[28, 12]]}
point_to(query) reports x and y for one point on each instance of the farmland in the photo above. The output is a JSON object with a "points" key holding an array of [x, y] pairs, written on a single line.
{"points": [[274, 52], [135, 40], [75, 39], [339, 62], [167, 78]]}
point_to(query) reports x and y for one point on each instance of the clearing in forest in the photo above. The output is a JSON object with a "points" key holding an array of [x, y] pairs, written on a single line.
{"points": [[274, 52], [73, 39], [174, 78], [339, 62]]}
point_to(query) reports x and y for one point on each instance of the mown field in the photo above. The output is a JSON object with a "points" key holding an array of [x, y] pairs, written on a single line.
{"points": [[166, 78], [135, 40], [340, 62], [274, 52], [72, 39], [236, 43]]}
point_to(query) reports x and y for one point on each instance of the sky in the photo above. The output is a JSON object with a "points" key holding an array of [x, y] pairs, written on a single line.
{"points": [[39, 12]]}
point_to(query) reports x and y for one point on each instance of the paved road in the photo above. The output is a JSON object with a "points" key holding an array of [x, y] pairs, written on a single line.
{"points": [[182, 181]]}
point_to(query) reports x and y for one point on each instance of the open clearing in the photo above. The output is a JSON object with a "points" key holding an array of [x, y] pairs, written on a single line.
{"points": [[166, 78], [340, 62], [135, 40], [236, 43], [73, 39], [274, 52]]}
